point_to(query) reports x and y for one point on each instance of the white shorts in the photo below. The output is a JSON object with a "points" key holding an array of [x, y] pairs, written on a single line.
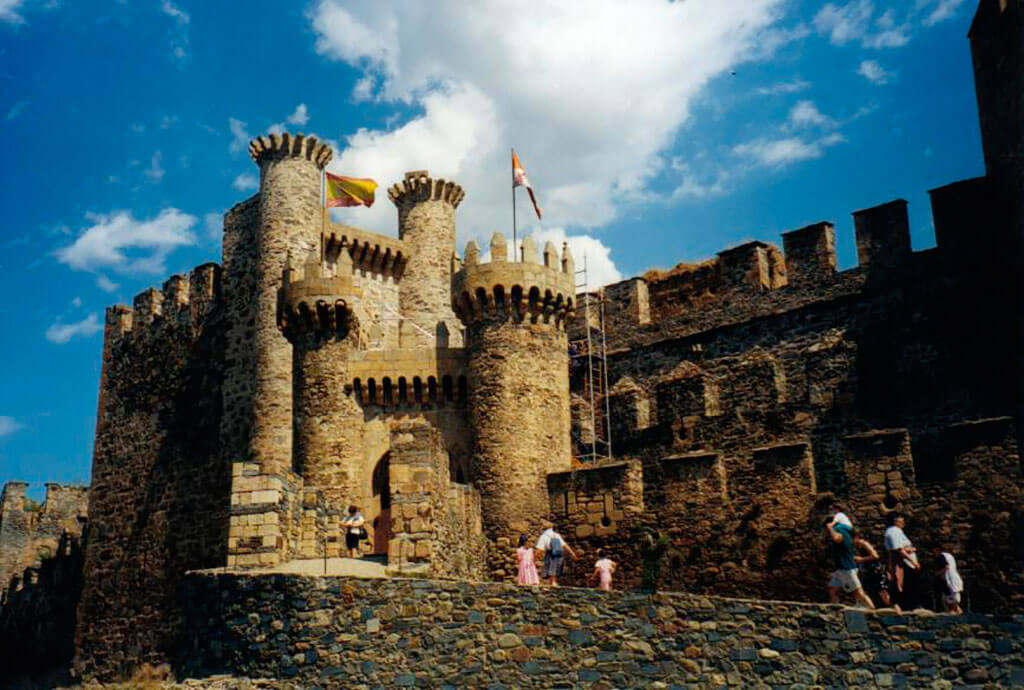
{"points": [[846, 580]]}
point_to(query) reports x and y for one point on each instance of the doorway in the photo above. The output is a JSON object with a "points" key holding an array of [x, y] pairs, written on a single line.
{"points": [[381, 487]]}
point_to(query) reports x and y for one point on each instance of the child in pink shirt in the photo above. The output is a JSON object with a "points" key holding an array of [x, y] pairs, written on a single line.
{"points": [[603, 570], [527, 566]]}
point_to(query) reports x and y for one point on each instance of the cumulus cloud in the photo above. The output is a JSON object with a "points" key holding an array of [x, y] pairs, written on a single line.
{"points": [[591, 125], [601, 270], [239, 136], [778, 153], [9, 11], [246, 182], [782, 87], [852, 22], [873, 72], [806, 114], [8, 425], [940, 10], [61, 333], [119, 242], [106, 284], [300, 116]]}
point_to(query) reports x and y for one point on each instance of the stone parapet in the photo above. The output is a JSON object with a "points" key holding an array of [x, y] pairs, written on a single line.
{"points": [[526, 290], [285, 145], [316, 303], [418, 186], [408, 376], [368, 251]]}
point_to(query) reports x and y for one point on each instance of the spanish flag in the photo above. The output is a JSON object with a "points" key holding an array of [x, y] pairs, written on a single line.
{"points": [[349, 191], [519, 180]]}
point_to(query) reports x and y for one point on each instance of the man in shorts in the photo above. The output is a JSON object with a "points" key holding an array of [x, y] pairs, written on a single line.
{"points": [[844, 576], [554, 547]]}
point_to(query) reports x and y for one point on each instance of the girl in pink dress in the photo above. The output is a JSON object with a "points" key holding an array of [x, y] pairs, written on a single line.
{"points": [[527, 566], [603, 570]]}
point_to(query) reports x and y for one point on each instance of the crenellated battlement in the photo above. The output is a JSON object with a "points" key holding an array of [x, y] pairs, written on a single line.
{"points": [[419, 186], [367, 251], [311, 302], [186, 299], [285, 145], [500, 290]]}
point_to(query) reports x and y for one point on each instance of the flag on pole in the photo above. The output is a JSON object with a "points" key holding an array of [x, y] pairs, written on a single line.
{"points": [[519, 180], [349, 191]]}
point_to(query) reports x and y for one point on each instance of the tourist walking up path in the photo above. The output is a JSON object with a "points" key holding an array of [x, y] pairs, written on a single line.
{"points": [[603, 570], [844, 576], [554, 548], [527, 565], [903, 565]]}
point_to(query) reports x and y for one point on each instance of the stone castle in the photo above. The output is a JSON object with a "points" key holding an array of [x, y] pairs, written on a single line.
{"points": [[244, 406]]}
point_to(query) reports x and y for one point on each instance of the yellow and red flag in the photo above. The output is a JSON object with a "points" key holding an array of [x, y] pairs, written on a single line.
{"points": [[349, 191], [519, 180]]}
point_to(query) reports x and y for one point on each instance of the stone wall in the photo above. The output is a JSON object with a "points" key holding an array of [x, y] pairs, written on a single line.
{"points": [[759, 388], [30, 531], [159, 500], [336, 632]]}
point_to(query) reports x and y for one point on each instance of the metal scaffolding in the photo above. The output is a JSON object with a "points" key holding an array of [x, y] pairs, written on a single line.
{"points": [[589, 350]]}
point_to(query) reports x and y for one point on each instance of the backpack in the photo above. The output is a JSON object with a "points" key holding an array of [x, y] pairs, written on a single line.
{"points": [[555, 547]]}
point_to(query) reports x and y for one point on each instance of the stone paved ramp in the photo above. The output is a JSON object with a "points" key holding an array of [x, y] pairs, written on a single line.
{"points": [[350, 567]]}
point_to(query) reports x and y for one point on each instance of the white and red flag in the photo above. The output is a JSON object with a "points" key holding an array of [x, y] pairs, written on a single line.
{"points": [[519, 180]]}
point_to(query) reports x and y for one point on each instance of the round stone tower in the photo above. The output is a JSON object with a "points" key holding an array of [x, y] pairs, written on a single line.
{"points": [[316, 317], [515, 316], [426, 222], [290, 221]]}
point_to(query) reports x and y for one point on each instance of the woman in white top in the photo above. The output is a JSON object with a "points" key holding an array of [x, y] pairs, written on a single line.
{"points": [[950, 576], [355, 529]]}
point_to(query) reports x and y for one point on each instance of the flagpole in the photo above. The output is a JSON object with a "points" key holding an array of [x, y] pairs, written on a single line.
{"points": [[515, 254]]}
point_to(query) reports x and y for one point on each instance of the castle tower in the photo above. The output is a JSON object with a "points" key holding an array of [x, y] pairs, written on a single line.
{"points": [[426, 222], [290, 222], [316, 317], [515, 316]]}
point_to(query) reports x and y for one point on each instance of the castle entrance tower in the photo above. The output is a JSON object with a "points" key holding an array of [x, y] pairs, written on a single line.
{"points": [[426, 223], [316, 317], [290, 221], [515, 316]]}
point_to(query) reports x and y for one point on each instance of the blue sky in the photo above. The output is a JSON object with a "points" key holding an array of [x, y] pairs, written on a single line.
{"points": [[653, 133]]}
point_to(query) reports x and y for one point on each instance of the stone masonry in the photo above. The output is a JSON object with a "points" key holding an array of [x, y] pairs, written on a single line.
{"points": [[244, 406]]}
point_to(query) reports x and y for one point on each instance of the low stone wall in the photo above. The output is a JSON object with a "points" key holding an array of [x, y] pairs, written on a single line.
{"points": [[344, 632]]}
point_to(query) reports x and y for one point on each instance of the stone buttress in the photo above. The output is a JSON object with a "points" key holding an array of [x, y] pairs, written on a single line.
{"points": [[426, 223], [515, 314]]}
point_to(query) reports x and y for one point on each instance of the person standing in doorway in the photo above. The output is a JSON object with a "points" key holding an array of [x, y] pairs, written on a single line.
{"points": [[355, 530], [554, 548]]}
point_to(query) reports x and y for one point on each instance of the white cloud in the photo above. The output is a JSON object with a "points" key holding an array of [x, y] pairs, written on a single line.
{"points": [[601, 270], [591, 125], [9, 11], [873, 72], [697, 185], [8, 425], [117, 241], [778, 153], [175, 12], [61, 333], [155, 172], [806, 114], [300, 116], [793, 86], [16, 109], [106, 284], [852, 22], [76, 302], [213, 223], [943, 10], [245, 182], [239, 136]]}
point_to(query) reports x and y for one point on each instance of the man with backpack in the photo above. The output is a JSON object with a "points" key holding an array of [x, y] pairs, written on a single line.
{"points": [[554, 548]]}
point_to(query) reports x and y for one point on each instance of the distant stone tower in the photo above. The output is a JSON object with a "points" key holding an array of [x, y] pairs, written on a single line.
{"points": [[316, 317], [290, 221], [515, 316], [426, 223]]}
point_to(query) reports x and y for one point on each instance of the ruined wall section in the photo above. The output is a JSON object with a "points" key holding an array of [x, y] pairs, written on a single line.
{"points": [[158, 504], [30, 531], [515, 314]]}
